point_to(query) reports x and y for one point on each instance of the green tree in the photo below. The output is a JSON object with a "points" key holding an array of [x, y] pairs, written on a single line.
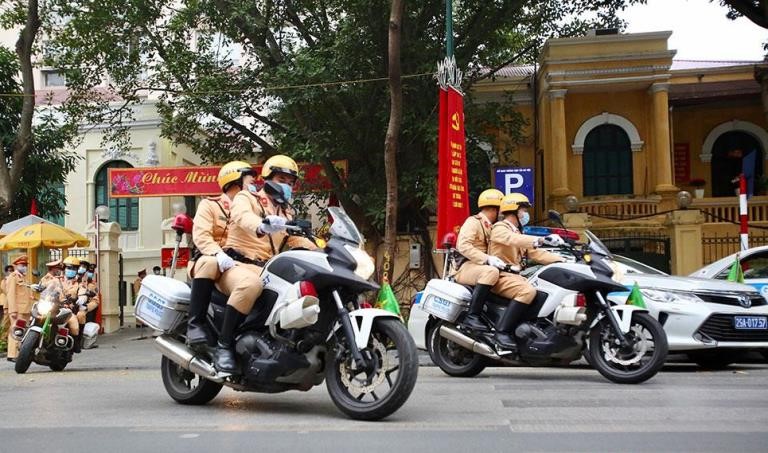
{"points": [[310, 80], [47, 162]]}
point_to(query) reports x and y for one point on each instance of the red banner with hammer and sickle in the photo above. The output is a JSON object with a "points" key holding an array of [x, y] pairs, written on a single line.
{"points": [[452, 181]]}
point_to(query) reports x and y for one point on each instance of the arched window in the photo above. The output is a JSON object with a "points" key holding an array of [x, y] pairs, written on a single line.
{"points": [[124, 211], [735, 152], [607, 161]]}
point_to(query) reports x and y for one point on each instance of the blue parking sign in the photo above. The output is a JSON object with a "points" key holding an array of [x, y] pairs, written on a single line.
{"points": [[515, 179]]}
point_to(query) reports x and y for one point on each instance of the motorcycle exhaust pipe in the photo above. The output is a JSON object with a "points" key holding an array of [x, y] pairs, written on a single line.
{"points": [[449, 333], [181, 355]]}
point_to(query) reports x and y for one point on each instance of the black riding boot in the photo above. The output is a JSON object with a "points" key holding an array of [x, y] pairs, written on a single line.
{"points": [[78, 346], [472, 320], [505, 328], [224, 358], [202, 288]]}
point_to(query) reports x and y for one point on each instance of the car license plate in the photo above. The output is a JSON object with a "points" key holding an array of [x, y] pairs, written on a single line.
{"points": [[750, 322]]}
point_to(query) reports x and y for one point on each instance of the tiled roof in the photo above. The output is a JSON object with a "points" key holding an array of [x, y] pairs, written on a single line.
{"points": [[516, 71], [681, 65]]}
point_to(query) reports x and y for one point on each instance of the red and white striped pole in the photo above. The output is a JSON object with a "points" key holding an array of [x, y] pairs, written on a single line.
{"points": [[744, 230]]}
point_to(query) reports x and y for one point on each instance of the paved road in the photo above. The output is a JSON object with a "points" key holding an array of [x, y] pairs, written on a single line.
{"points": [[122, 407]]}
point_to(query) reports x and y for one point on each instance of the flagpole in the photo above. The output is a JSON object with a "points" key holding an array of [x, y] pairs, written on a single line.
{"points": [[448, 28]]}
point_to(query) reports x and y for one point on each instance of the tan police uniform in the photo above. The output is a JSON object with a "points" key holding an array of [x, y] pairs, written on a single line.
{"points": [[70, 290], [93, 302], [243, 281], [5, 320], [509, 244], [20, 300], [472, 243], [209, 233]]}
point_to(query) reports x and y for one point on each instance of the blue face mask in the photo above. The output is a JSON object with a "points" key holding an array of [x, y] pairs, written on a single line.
{"points": [[89, 274], [70, 273], [252, 188], [81, 270], [524, 219], [22, 269], [287, 190]]}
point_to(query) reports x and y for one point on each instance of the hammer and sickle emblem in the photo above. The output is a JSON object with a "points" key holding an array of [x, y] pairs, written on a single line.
{"points": [[455, 121]]}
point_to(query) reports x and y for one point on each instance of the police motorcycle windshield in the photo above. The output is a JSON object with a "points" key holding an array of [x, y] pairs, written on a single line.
{"points": [[602, 260], [343, 227]]}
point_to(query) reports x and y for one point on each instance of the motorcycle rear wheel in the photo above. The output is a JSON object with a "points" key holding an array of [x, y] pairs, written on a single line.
{"points": [[180, 385], [453, 359], [606, 357], [393, 351], [27, 351]]}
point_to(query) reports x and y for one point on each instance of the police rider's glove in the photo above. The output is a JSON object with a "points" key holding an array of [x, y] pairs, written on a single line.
{"points": [[495, 262], [225, 261], [553, 240], [272, 224]]}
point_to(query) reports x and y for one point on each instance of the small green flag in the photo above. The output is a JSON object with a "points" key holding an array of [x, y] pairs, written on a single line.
{"points": [[387, 300], [636, 297], [736, 274]]}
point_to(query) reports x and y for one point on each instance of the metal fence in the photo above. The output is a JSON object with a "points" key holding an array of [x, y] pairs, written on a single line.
{"points": [[648, 247], [720, 246], [55, 254]]}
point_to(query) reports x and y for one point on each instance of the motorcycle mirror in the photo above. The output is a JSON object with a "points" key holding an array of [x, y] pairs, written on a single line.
{"points": [[555, 217], [275, 191]]}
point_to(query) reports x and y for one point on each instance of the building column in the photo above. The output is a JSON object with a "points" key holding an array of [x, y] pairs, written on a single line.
{"points": [[559, 154], [109, 271], [662, 153], [684, 229]]}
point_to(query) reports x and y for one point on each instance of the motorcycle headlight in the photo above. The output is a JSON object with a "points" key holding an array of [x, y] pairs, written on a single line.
{"points": [[665, 296], [365, 265], [44, 306]]}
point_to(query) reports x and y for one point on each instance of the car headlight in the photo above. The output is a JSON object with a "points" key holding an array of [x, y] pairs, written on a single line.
{"points": [[44, 306], [365, 265], [658, 295]]}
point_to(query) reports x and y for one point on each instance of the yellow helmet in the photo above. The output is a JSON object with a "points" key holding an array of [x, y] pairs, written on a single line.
{"points": [[490, 197], [232, 172], [513, 201], [281, 164], [71, 261]]}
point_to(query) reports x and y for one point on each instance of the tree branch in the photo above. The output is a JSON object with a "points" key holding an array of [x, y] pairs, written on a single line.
{"points": [[748, 9]]}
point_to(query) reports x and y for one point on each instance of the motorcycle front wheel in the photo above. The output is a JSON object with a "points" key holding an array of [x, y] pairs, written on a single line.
{"points": [[185, 387], [384, 387], [27, 351], [634, 363], [453, 359]]}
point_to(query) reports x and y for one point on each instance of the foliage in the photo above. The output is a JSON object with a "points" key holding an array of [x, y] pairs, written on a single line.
{"points": [[309, 79], [48, 162]]}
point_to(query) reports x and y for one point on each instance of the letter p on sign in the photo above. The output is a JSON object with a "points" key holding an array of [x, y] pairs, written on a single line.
{"points": [[513, 182]]}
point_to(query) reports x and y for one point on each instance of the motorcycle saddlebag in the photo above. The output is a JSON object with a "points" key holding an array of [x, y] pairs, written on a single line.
{"points": [[162, 303], [90, 333], [445, 300]]}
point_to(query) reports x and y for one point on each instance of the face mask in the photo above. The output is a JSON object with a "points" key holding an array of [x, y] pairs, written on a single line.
{"points": [[287, 190], [81, 271], [70, 273], [252, 188], [524, 219], [89, 274], [22, 269]]}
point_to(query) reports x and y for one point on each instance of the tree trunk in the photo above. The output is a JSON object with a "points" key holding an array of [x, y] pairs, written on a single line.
{"points": [[393, 134], [22, 144]]}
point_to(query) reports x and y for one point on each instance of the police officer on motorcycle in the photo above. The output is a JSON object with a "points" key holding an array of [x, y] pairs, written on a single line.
{"points": [[478, 267], [209, 234], [509, 244], [257, 234]]}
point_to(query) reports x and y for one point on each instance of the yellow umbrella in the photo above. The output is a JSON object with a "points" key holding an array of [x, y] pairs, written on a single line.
{"points": [[43, 235]]}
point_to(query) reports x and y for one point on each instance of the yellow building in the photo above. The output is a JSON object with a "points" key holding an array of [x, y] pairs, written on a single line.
{"points": [[616, 122]]}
